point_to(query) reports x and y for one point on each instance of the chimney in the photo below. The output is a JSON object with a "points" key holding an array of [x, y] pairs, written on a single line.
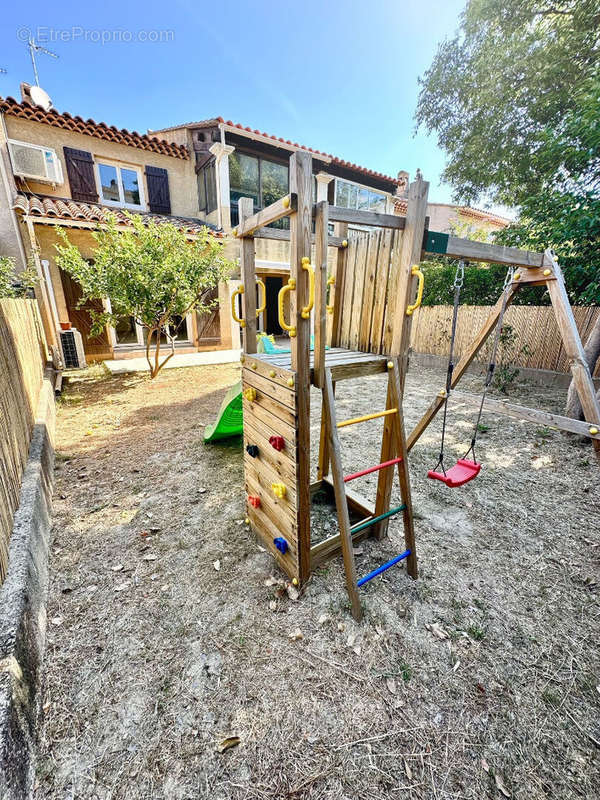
{"points": [[403, 179]]}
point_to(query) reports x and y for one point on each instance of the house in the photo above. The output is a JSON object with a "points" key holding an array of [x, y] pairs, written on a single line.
{"points": [[60, 170]]}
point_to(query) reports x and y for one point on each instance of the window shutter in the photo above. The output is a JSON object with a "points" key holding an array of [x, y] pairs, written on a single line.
{"points": [[80, 169], [159, 199]]}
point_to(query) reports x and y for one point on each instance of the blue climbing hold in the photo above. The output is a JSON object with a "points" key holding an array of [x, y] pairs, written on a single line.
{"points": [[281, 544]]}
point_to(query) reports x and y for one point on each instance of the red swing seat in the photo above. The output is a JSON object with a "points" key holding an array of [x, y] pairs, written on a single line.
{"points": [[462, 472]]}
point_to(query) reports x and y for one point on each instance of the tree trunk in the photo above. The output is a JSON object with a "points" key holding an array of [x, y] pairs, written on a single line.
{"points": [[592, 354]]}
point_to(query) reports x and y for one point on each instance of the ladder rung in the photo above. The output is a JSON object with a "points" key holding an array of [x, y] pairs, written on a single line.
{"points": [[374, 520], [383, 568], [367, 417], [376, 468]]}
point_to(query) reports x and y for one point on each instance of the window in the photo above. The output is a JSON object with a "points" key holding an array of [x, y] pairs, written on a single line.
{"points": [[351, 195], [120, 186], [207, 188], [263, 180], [126, 331]]}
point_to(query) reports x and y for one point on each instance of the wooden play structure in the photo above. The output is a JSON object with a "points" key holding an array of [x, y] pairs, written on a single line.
{"points": [[361, 317]]}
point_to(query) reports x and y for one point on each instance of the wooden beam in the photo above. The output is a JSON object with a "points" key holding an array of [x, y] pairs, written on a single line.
{"points": [[283, 235], [341, 231], [573, 346], [319, 311], [534, 415], [371, 218], [461, 367], [455, 247], [409, 254], [300, 173], [248, 276], [278, 210]]}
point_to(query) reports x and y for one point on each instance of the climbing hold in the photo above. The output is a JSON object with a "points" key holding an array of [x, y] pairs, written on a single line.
{"points": [[250, 394], [593, 430], [242, 359], [254, 501], [247, 521], [279, 490], [295, 581], [281, 544], [516, 276], [390, 365], [290, 382], [252, 450], [272, 373], [286, 202], [547, 272], [345, 243], [277, 442], [234, 231], [253, 365]]}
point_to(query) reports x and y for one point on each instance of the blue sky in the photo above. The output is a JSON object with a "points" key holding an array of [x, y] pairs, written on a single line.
{"points": [[336, 75]]}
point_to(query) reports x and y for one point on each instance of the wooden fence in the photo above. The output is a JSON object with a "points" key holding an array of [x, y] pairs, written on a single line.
{"points": [[366, 293], [534, 342], [22, 359]]}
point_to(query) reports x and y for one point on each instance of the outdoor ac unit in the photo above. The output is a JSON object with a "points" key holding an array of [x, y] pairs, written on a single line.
{"points": [[35, 162], [72, 348]]}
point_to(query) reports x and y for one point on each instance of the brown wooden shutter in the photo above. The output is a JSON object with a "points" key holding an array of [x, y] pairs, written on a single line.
{"points": [[82, 180], [159, 199]]}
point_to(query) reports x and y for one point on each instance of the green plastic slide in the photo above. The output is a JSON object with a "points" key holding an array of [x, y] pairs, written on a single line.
{"points": [[230, 421]]}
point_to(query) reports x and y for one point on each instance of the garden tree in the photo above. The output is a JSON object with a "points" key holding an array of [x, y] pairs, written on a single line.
{"points": [[514, 98], [13, 284], [150, 272]]}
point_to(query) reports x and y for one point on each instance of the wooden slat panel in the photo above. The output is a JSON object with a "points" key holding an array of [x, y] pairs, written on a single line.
{"points": [[381, 288], [266, 531], [264, 474], [282, 462], [264, 368], [372, 262], [279, 511], [282, 394], [259, 417], [359, 284]]}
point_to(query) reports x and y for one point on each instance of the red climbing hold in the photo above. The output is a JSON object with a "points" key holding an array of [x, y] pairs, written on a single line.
{"points": [[277, 442], [462, 472], [254, 501]]}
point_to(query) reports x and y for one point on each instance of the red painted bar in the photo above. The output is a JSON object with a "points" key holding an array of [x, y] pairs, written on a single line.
{"points": [[372, 469]]}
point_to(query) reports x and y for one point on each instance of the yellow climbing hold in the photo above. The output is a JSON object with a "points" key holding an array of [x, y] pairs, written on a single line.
{"points": [[250, 394], [390, 365], [279, 490], [593, 430], [271, 373], [290, 382]]}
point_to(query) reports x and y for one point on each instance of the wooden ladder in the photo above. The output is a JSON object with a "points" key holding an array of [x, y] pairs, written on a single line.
{"points": [[393, 453]]}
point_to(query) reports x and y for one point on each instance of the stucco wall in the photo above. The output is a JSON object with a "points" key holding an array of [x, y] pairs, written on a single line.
{"points": [[182, 177]]}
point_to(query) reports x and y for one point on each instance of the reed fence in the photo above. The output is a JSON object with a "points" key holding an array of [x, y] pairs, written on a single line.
{"points": [[534, 341], [22, 360]]}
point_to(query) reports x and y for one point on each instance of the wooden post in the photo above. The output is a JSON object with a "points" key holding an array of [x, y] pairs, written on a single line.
{"points": [[340, 230], [573, 346], [248, 278], [300, 246], [320, 312], [410, 253], [41, 290], [340, 496]]}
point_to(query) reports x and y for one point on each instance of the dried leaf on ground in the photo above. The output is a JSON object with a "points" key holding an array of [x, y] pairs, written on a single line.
{"points": [[228, 743], [296, 635], [217, 565], [436, 629], [500, 784], [391, 685]]}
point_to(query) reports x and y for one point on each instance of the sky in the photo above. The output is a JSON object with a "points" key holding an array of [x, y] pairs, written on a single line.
{"points": [[340, 76]]}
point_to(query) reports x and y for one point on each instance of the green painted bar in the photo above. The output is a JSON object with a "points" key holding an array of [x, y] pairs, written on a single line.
{"points": [[362, 525]]}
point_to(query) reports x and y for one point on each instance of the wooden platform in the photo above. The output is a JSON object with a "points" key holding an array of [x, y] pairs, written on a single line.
{"points": [[343, 363]]}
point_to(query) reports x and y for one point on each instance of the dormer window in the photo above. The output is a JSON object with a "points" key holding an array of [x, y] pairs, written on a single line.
{"points": [[120, 186]]}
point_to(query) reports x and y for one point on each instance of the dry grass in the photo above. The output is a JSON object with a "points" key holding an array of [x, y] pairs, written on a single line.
{"points": [[154, 656]]}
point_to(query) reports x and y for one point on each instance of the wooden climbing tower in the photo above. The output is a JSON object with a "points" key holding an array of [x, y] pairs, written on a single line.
{"points": [[360, 314]]}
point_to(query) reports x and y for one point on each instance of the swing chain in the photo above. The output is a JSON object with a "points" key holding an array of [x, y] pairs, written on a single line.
{"points": [[459, 275]]}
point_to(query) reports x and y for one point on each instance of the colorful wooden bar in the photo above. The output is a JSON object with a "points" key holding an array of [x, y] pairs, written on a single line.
{"points": [[367, 417], [383, 568], [362, 525], [376, 468]]}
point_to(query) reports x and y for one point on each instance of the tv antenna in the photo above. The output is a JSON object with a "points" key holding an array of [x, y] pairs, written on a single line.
{"points": [[34, 48]]}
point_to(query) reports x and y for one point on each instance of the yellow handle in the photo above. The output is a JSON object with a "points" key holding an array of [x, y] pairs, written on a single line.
{"points": [[305, 313], [290, 286], [239, 290], [330, 282], [263, 289], [416, 271]]}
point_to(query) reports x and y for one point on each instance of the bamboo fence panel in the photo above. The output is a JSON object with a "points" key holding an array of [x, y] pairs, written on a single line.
{"points": [[22, 360], [537, 342]]}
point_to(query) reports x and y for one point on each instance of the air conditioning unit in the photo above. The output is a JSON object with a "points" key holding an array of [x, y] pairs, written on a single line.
{"points": [[33, 161], [72, 347]]}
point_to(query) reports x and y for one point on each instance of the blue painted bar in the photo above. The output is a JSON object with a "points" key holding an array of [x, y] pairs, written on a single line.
{"points": [[383, 568], [362, 525]]}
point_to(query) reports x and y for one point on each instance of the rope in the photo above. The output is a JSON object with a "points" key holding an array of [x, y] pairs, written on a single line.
{"points": [[492, 365], [459, 278]]}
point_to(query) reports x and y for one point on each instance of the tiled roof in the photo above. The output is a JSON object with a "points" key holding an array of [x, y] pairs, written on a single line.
{"points": [[400, 206], [61, 208], [91, 128], [205, 123]]}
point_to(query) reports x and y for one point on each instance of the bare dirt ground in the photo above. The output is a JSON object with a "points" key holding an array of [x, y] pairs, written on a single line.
{"points": [[167, 634]]}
